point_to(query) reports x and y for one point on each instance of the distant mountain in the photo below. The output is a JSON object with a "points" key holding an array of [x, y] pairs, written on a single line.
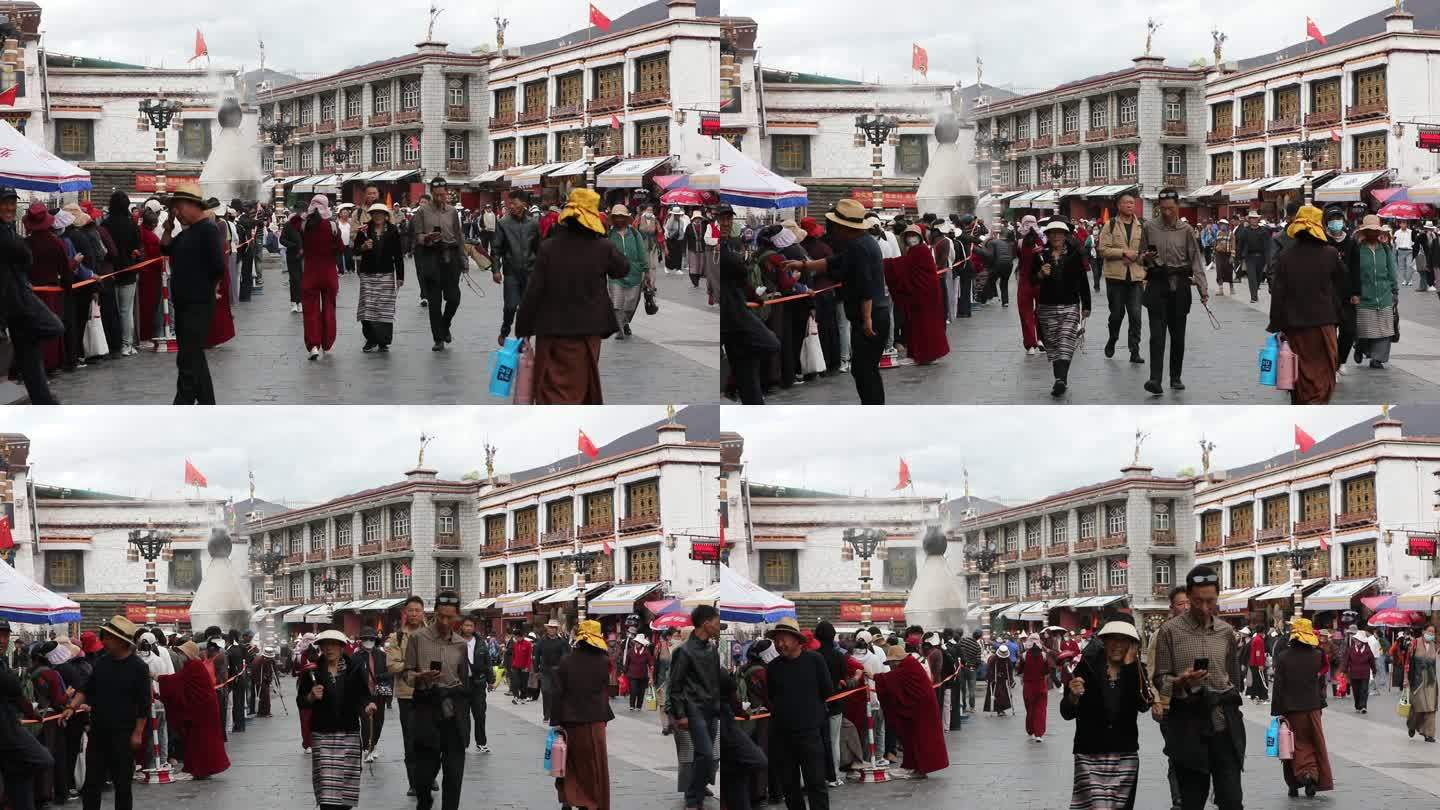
{"points": [[1419, 420], [1427, 18], [250, 81]]}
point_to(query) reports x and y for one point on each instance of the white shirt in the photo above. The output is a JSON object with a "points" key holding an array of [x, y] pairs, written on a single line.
{"points": [[889, 246], [470, 648], [345, 233], [1404, 239]]}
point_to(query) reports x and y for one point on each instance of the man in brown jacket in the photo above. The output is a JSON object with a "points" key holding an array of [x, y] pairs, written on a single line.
{"points": [[412, 617], [1121, 242]]}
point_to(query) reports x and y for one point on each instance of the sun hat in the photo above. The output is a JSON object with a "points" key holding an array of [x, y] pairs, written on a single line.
{"points": [[1369, 223], [896, 653], [319, 203], [863, 635], [1119, 628], [37, 217], [588, 632], [1003, 651], [620, 211], [186, 192], [332, 635], [914, 229], [812, 227], [552, 623], [642, 641], [584, 207], [1303, 631], [190, 650], [62, 220], [1223, 222], [788, 625], [119, 627], [1055, 225], [675, 209], [380, 207], [848, 214]]}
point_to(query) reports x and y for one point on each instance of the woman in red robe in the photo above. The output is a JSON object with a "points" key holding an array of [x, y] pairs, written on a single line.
{"points": [[147, 290], [908, 699], [914, 283], [189, 697], [1031, 245], [222, 323]]}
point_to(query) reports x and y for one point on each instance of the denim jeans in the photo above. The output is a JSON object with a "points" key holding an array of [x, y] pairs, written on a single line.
{"points": [[702, 720], [1406, 265], [125, 294]]}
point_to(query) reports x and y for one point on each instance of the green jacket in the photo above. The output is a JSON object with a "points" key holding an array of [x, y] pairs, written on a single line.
{"points": [[631, 245], [1375, 272]]}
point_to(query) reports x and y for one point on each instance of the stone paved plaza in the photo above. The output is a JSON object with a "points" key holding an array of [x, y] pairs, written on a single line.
{"points": [[675, 357]]}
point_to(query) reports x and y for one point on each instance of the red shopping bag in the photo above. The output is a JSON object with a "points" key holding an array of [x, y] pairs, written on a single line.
{"points": [[624, 684], [1342, 685]]}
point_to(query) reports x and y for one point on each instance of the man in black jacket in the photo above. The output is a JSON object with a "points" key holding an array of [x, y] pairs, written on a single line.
{"points": [[482, 678], [694, 698], [196, 265], [235, 662], [23, 316], [799, 684], [245, 247], [548, 652], [1252, 251]]}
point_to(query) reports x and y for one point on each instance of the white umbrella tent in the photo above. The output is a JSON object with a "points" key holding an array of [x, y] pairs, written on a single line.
{"points": [[25, 165]]}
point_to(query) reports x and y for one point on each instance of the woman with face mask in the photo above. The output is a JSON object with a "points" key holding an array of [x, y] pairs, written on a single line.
{"points": [[1420, 680], [372, 660]]}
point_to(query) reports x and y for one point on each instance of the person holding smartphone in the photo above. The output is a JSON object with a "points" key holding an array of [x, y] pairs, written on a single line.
{"points": [[438, 259], [1105, 697], [1194, 669], [437, 667], [1173, 263]]}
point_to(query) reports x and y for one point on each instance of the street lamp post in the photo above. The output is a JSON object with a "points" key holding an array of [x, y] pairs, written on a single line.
{"points": [[593, 135], [864, 542], [1298, 558], [876, 129], [999, 144], [329, 584], [1309, 150], [1045, 582], [581, 560], [985, 557], [158, 114], [1056, 169], [270, 563], [279, 131], [340, 156], [150, 543]]}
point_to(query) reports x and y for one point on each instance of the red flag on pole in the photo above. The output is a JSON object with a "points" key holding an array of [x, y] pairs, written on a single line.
{"points": [[609, 549], [598, 18], [1334, 136], [904, 475], [615, 121], [9, 97], [200, 49], [1324, 543], [193, 476], [1313, 31], [1303, 440], [1122, 563], [588, 447], [7, 540], [920, 61]]}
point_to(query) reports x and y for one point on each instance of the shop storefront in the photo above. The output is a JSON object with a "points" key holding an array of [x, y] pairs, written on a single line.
{"points": [[1350, 188], [1277, 604], [1246, 198], [564, 604], [629, 182], [612, 606]]}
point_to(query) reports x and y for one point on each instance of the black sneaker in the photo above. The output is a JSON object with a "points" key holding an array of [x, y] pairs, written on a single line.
{"points": [[627, 330], [384, 348], [368, 347], [438, 347], [1137, 359], [448, 337], [1110, 347], [1376, 364], [1176, 384], [1059, 389], [1153, 386]]}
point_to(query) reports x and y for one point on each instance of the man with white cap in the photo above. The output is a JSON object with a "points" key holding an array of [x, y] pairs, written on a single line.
{"points": [[676, 224], [625, 292]]}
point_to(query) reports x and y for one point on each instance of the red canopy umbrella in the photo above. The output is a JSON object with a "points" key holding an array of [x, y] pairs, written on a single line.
{"points": [[670, 621], [1395, 617], [1407, 210], [684, 196]]}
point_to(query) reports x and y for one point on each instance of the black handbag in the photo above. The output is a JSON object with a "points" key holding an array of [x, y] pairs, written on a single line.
{"points": [[652, 306]]}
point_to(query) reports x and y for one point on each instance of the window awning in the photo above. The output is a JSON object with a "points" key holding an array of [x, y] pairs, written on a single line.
{"points": [[1025, 197], [1426, 192], [262, 613], [1239, 599], [358, 604], [1037, 612], [1204, 191], [370, 175], [1016, 610], [1421, 596], [396, 176], [482, 603], [1297, 182], [577, 168], [1008, 195], [1287, 591], [1101, 601], [326, 181], [620, 599], [488, 177], [297, 183], [1082, 191], [1111, 191], [629, 173], [515, 171], [1252, 189], [1338, 595], [1071, 602], [1047, 199], [525, 603], [1350, 187], [385, 604], [298, 615], [535, 175], [572, 593]]}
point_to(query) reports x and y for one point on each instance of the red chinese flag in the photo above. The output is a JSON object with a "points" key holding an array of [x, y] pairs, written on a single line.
{"points": [[904, 475], [920, 61], [609, 549], [7, 540], [598, 18], [200, 49], [1324, 543], [1122, 564], [1303, 440], [1334, 136], [1313, 31], [588, 447], [615, 121], [193, 476], [8, 98]]}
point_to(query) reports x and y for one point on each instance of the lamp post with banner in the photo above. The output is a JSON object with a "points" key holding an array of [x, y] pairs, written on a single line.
{"points": [[329, 584], [876, 129], [593, 135], [581, 560], [270, 562], [149, 543], [1045, 582], [1298, 558], [985, 557], [1308, 150], [340, 155], [279, 129], [159, 114], [999, 144], [865, 544]]}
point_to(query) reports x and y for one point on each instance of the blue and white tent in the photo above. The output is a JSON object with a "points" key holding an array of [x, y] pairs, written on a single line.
{"points": [[738, 180], [24, 600], [743, 601], [25, 165]]}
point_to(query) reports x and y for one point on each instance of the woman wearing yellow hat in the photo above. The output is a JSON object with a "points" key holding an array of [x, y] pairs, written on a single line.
{"points": [[1299, 697], [1305, 305], [582, 707]]}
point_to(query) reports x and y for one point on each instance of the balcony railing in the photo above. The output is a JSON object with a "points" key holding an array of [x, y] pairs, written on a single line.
{"points": [[1098, 134], [558, 537], [532, 116], [1220, 135], [1175, 180], [380, 119], [1160, 591], [325, 127], [1350, 520], [1114, 589], [352, 123], [407, 116], [1042, 142], [1020, 145], [604, 105], [457, 112], [1374, 109], [649, 98], [342, 552], [1273, 534], [1113, 540], [1030, 554], [1208, 544], [461, 166], [1068, 139], [1162, 537], [1057, 550], [1010, 556], [1088, 544], [492, 549], [296, 558], [502, 121], [397, 544], [1236, 539], [592, 530], [315, 556], [451, 541], [522, 543], [1316, 526], [369, 549], [1250, 130], [1289, 123], [1127, 131], [304, 129], [639, 522], [1318, 119], [1090, 591], [565, 110], [1180, 128]]}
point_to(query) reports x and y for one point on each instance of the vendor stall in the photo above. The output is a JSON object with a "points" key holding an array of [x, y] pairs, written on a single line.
{"points": [[28, 167], [26, 601], [743, 601], [741, 181]]}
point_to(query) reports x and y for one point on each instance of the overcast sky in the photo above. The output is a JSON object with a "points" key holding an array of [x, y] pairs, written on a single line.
{"points": [[301, 455], [848, 38], [1014, 454]]}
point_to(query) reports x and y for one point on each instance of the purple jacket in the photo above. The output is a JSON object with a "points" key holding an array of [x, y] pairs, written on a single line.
{"points": [[1359, 659]]}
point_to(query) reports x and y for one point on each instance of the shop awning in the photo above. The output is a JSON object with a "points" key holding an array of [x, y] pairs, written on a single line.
{"points": [[995, 610], [1037, 612], [534, 176], [1111, 191], [358, 604], [1252, 189], [1287, 591], [708, 595], [385, 604], [298, 615], [1338, 595], [488, 177], [1082, 191], [1422, 596], [326, 182], [629, 173], [482, 603], [1071, 602], [396, 176], [298, 183], [570, 594], [1023, 199], [1016, 610], [1426, 192], [577, 168], [1101, 601], [1008, 195], [620, 599], [1046, 199], [1350, 187], [262, 613], [1204, 191], [1239, 599], [525, 603], [1297, 182]]}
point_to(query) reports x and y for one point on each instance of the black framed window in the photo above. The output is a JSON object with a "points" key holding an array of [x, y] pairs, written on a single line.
{"points": [[195, 140], [790, 155], [185, 570], [780, 570], [65, 570], [75, 139], [900, 567]]}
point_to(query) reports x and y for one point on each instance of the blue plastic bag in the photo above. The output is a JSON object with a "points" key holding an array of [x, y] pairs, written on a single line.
{"points": [[1269, 360], [507, 366], [550, 746], [1272, 738]]}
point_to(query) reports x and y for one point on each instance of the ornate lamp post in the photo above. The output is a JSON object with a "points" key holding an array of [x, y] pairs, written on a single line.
{"points": [[985, 557], [1056, 169], [593, 134], [1309, 150], [158, 114], [999, 145], [581, 560], [329, 584], [340, 155], [279, 131], [876, 129], [864, 543], [149, 543], [1298, 558], [270, 563]]}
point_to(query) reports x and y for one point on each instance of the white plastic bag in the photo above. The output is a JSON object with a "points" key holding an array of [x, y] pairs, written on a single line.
{"points": [[812, 356], [95, 344]]}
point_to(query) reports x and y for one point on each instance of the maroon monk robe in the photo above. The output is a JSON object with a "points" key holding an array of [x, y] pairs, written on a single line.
{"points": [[147, 290], [915, 285], [222, 322], [189, 697], [908, 699]]}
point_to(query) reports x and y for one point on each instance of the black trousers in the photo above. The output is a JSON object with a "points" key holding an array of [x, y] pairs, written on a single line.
{"points": [[192, 329], [30, 366], [440, 750], [1168, 311], [637, 691], [295, 270], [1346, 341], [865, 352], [407, 713], [1001, 275], [966, 286], [1254, 269], [703, 722], [1360, 689], [799, 758], [1124, 298], [1171, 775], [436, 284], [1224, 774], [109, 315], [247, 273], [371, 729], [746, 364], [76, 307], [827, 315], [957, 701], [516, 280], [108, 758], [378, 332], [239, 694], [477, 712]]}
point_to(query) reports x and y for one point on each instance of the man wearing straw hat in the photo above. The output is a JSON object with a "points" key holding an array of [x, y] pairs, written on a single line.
{"points": [[118, 694], [197, 262], [799, 684]]}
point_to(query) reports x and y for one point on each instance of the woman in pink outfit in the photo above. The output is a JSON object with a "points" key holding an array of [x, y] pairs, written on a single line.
{"points": [[321, 279]]}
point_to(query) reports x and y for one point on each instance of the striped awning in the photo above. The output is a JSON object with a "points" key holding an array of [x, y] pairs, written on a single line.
{"points": [[1422, 596], [1252, 189], [1239, 599], [1350, 187], [1338, 595]]}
